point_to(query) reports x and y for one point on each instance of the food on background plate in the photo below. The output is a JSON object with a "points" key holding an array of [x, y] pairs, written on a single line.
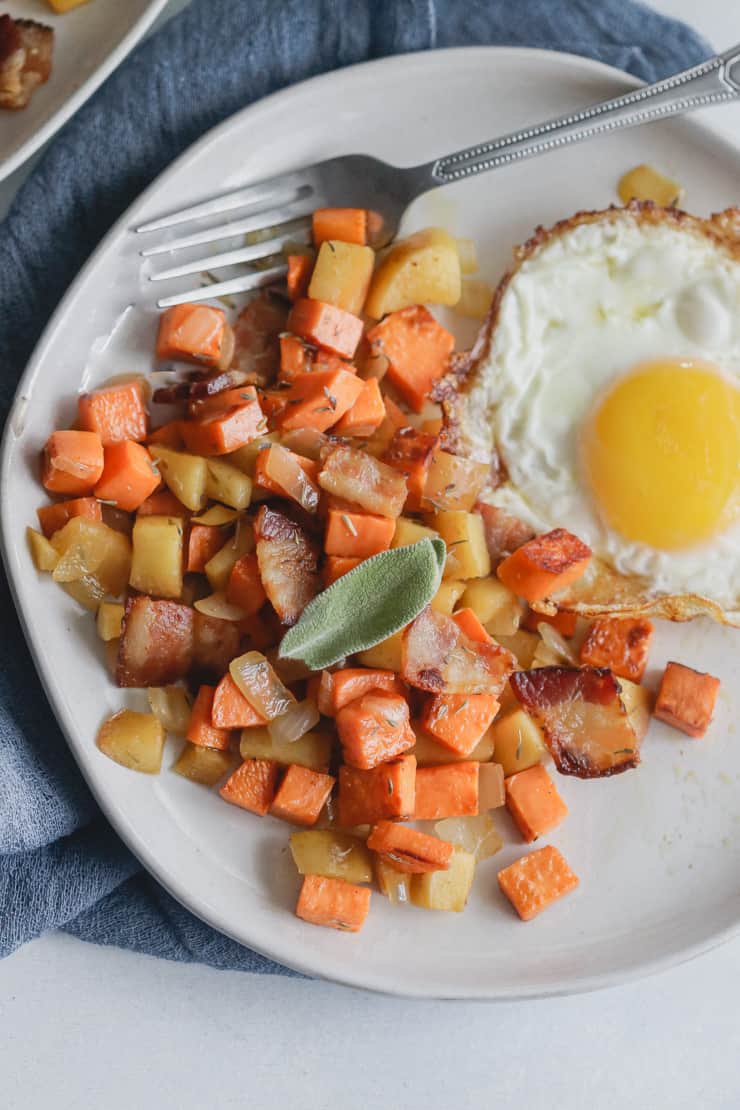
{"points": [[62, 6], [360, 606], [26, 49]]}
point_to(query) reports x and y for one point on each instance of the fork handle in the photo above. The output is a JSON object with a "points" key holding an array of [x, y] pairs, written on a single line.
{"points": [[713, 82]]}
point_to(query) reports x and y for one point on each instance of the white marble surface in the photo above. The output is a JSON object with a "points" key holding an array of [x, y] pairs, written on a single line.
{"points": [[82, 1026]]}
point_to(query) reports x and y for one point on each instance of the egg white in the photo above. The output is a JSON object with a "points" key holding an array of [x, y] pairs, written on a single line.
{"points": [[580, 312]]}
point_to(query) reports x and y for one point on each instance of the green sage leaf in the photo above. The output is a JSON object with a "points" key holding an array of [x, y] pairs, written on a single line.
{"points": [[367, 605]]}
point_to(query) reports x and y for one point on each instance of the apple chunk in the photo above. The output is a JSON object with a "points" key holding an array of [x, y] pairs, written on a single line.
{"points": [[583, 716]]}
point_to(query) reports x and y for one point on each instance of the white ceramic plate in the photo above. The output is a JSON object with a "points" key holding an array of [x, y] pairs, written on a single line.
{"points": [[89, 42], [657, 850]]}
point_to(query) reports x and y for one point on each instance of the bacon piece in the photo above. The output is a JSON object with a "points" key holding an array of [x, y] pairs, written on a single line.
{"points": [[583, 716], [437, 656], [288, 562], [157, 639]]}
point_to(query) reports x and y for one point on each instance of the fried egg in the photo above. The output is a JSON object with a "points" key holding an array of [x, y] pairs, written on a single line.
{"points": [[606, 384]]}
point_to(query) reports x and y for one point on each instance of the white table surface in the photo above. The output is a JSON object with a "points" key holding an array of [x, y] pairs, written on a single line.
{"points": [[82, 1026]]}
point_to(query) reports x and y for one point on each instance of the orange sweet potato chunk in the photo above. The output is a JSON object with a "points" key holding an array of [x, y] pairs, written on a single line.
{"points": [[446, 790], [686, 699], [418, 351], [252, 785], [384, 792], [620, 643], [334, 903], [537, 880], [374, 729], [459, 720], [544, 565], [302, 795], [409, 850], [533, 802]]}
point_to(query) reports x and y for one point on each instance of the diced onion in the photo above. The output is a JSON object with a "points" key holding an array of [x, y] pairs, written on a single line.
{"points": [[260, 685], [285, 470], [477, 835], [216, 605], [171, 706], [216, 516], [298, 719], [308, 442], [557, 645], [76, 563]]}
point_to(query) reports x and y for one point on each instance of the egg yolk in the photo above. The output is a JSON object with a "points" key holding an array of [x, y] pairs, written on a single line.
{"points": [[662, 453]]}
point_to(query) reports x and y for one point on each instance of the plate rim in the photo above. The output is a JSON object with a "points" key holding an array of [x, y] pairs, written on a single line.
{"points": [[70, 106], [197, 904]]}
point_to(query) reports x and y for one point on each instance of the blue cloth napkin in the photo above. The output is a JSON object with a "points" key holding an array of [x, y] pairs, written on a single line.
{"points": [[61, 865]]}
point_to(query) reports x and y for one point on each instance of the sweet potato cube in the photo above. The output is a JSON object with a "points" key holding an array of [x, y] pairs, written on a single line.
{"points": [[325, 325], [447, 790], [115, 412], [299, 275], [230, 709], [72, 462], [319, 399], [334, 903], [535, 881], [459, 720], [686, 699], [418, 351], [620, 643], [367, 412], [384, 792], [252, 785], [349, 225], [244, 588], [54, 517], [563, 621], [350, 683], [201, 730], [544, 565], [357, 535], [408, 849], [301, 795], [533, 802], [374, 728], [195, 333], [469, 623], [220, 433], [128, 475], [203, 543], [336, 566]]}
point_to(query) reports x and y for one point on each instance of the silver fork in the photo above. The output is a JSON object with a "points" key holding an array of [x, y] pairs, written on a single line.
{"points": [[282, 205]]}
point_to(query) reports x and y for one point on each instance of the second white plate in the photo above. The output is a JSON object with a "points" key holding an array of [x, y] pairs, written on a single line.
{"points": [[89, 42]]}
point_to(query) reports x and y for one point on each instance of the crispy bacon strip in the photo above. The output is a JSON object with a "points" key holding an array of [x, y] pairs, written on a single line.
{"points": [[288, 563], [583, 716], [437, 656]]}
